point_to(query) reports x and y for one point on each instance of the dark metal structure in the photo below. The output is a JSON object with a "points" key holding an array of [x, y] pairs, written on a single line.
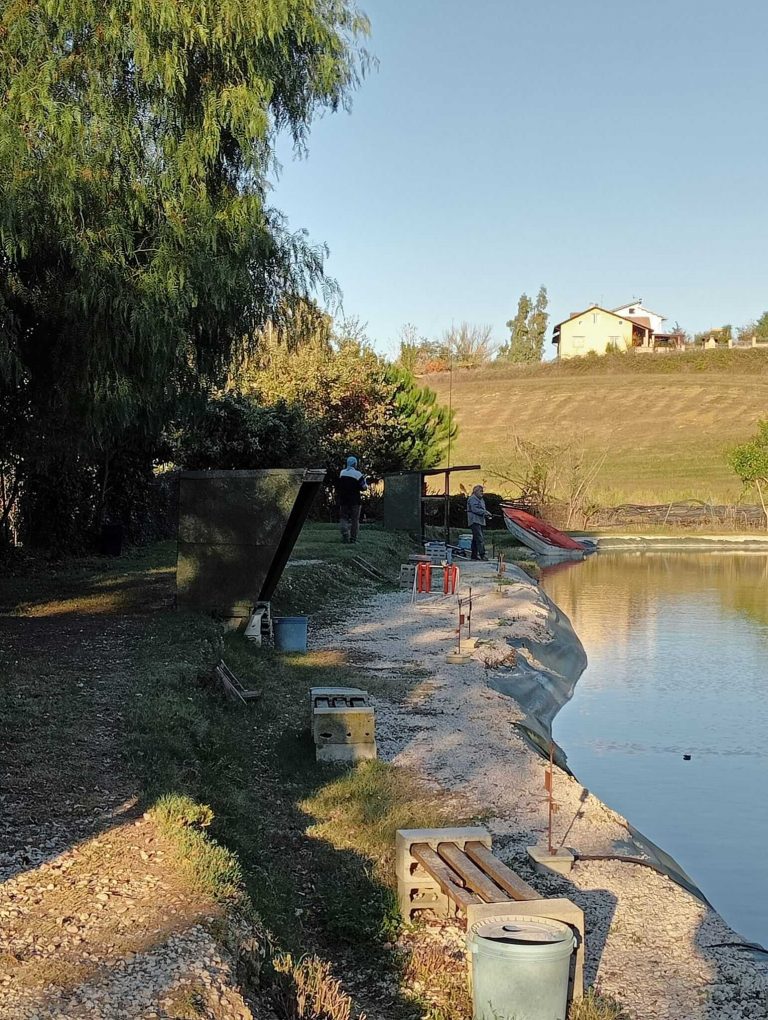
{"points": [[406, 503], [236, 532]]}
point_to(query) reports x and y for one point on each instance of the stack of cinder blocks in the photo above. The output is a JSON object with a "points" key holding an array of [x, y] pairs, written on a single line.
{"points": [[418, 890], [343, 724]]}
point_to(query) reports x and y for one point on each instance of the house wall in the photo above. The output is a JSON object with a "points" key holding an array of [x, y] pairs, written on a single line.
{"points": [[641, 312], [594, 331]]}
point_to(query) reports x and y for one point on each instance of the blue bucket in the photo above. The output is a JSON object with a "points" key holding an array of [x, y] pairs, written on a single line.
{"points": [[290, 633], [465, 541]]}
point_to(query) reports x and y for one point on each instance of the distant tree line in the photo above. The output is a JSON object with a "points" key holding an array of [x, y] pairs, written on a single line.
{"points": [[471, 346]]}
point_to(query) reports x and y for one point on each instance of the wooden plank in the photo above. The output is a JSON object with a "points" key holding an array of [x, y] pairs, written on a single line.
{"points": [[503, 876], [443, 875], [473, 877]]}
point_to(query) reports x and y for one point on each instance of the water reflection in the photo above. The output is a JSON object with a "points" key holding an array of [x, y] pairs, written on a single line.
{"points": [[677, 646]]}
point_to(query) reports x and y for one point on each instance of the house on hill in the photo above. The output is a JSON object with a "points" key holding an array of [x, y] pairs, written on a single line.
{"points": [[598, 330], [638, 313]]}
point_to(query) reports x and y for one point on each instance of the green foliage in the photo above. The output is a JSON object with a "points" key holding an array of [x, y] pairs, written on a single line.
{"points": [[750, 462], [722, 335], [235, 432], [355, 402], [527, 330], [419, 429], [136, 140]]}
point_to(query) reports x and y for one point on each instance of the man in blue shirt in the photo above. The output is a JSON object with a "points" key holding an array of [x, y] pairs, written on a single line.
{"points": [[477, 515], [349, 489]]}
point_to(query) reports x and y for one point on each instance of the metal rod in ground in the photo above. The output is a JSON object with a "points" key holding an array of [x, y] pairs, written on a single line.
{"points": [[469, 615], [550, 803]]}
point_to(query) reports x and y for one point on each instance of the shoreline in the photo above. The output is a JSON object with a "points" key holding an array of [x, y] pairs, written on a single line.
{"points": [[651, 942]]}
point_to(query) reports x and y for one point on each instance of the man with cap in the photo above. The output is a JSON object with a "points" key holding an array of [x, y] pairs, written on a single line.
{"points": [[349, 488]]}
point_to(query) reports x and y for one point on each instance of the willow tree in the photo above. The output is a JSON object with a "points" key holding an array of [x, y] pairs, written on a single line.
{"points": [[136, 143]]}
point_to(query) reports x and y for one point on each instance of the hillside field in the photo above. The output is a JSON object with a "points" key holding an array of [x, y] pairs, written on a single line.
{"points": [[666, 421]]}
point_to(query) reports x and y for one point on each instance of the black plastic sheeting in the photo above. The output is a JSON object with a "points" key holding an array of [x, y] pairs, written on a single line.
{"points": [[543, 680], [236, 532]]}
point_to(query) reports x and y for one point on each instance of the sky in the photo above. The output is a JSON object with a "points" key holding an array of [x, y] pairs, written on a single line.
{"points": [[607, 150]]}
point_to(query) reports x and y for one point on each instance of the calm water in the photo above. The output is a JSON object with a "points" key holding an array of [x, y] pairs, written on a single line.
{"points": [[678, 664]]}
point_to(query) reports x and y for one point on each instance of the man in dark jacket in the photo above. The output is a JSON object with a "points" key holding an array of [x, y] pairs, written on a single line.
{"points": [[349, 489], [477, 515]]}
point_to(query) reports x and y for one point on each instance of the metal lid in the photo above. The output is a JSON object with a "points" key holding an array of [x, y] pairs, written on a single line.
{"points": [[529, 930]]}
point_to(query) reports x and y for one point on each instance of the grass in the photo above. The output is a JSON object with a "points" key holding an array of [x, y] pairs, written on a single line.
{"points": [[665, 422], [255, 822]]}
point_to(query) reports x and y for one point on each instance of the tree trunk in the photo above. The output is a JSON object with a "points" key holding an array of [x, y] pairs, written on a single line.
{"points": [[762, 501]]}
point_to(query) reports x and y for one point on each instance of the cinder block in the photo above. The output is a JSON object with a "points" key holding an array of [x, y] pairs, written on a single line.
{"points": [[343, 724], [347, 752], [413, 900], [557, 908], [408, 868], [337, 697]]}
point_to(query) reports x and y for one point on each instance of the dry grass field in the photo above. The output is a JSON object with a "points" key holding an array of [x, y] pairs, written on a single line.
{"points": [[665, 423]]}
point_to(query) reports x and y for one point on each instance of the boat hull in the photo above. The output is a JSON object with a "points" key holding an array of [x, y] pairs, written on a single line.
{"points": [[542, 539]]}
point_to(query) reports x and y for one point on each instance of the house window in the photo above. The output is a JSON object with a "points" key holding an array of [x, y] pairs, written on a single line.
{"points": [[578, 343]]}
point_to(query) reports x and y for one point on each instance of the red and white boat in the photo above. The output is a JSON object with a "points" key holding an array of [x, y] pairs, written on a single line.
{"points": [[544, 539]]}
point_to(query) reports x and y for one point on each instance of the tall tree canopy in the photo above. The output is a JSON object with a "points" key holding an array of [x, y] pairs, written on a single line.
{"points": [[527, 330], [137, 244], [355, 401]]}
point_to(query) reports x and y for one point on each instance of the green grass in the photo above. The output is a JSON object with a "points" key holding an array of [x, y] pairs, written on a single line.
{"points": [[665, 422], [257, 823]]}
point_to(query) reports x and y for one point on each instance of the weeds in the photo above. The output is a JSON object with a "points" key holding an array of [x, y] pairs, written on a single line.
{"points": [[305, 989], [595, 1006]]}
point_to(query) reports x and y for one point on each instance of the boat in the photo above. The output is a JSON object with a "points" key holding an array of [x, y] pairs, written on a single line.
{"points": [[544, 539]]}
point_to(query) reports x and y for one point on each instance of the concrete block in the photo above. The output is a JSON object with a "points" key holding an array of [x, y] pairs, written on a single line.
{"points": [[343, 724], [560, 861], [414, 900], [337, 697], [407, 867], [557, 908], [346, 752]]}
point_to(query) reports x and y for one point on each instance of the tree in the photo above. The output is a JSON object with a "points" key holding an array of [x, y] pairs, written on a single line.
{"points": [[757, 329], [750, 462], [234, 432], [537, 325], [136, 142], [720, 334], [527, 330], [467, 345], [420, 429], [354, 400]]}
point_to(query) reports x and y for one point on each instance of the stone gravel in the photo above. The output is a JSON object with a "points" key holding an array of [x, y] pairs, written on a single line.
{"points": [[650, 943]]}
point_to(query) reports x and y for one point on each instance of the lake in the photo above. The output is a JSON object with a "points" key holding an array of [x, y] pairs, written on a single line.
{"points": [[678, 665]]}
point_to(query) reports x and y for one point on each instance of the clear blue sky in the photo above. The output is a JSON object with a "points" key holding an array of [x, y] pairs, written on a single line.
{"points": [[608, 150]]}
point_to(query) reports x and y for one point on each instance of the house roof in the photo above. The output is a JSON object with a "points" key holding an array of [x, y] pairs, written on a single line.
{"points": [[641, 320], [639, 304], [625, 318]]}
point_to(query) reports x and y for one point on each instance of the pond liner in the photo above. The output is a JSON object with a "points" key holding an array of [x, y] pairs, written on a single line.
{"points": [[543, 680]]}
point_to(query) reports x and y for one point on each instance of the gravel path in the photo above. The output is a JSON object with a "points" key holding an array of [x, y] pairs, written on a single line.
{"points": [[649, 942], [97, 919]]}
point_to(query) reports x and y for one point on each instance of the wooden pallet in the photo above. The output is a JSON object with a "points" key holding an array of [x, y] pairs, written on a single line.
{"points": [[232, 686]]}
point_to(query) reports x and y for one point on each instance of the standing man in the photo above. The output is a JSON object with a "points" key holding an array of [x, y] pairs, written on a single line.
{"points": [[349, 488], [477, 515]]}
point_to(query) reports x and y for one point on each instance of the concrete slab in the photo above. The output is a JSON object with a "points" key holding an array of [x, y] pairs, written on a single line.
{"points": [[560, 861]]}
